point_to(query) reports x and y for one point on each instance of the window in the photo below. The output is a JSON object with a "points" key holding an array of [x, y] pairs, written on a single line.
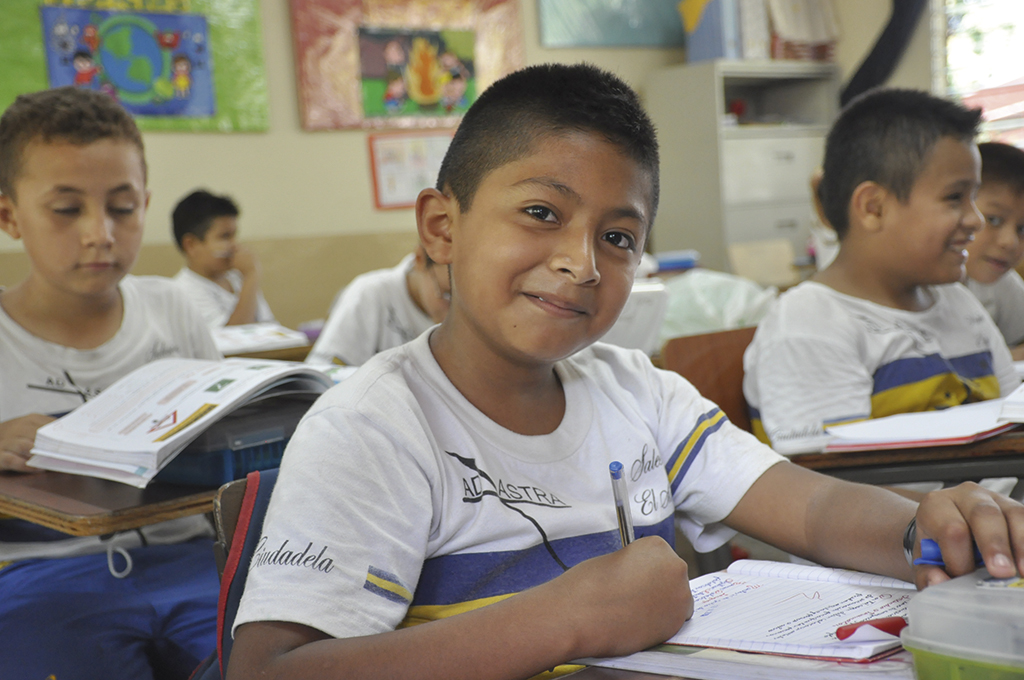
{"points": [[980, 52]]}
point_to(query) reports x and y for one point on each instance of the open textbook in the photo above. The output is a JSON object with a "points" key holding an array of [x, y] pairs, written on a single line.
{"points": [[137, 425], [793, 610]]}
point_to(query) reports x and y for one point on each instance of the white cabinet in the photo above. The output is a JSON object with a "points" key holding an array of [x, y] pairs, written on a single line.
{"points": [[724, 181]]}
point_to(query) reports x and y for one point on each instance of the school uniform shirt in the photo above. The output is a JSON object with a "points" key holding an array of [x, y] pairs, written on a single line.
{"points": [[1004, 301], [399, 502], [821, 358], [43, 377], [216, 304], [374, 312]]}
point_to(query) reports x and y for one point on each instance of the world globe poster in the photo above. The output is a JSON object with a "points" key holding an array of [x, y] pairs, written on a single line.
{"points": [[153, 64]]}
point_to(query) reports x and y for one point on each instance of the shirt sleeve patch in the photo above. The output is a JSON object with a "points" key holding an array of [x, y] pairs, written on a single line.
{"points": [[691, 445], [387, 585]]}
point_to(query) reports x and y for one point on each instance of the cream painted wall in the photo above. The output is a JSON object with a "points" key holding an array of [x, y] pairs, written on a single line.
{"points": [[862, 21], [292, 183]]}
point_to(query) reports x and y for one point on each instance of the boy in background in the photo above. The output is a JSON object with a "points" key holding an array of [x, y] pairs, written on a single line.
{"points": [[220, 277], [460, 481], [73, 190], [383, 309], [886, 328], [999, 245]]}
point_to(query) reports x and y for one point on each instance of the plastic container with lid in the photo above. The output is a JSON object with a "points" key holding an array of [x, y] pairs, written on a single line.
{"points": [[969, 628]]}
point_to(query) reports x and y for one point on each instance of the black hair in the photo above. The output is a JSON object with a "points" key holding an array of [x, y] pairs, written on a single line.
{"points": [[1002, 164], [509, 116], [196, 212], [75, 115], [82, 54], [885, 136]]}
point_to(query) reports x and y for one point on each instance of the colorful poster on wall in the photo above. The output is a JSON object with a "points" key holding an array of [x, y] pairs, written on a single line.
{"points": [[400, 63], [175, 64], [154, 64], [416, 73]]}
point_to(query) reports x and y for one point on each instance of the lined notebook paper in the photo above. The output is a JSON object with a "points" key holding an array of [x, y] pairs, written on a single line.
{"points": [[783, 608]]}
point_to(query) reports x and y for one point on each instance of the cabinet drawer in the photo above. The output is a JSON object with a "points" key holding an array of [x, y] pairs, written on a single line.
{"points": [[774, 169], [791, 221]]}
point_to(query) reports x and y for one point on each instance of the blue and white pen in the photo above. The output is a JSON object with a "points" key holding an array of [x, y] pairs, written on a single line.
{"points": [[621, 503]]}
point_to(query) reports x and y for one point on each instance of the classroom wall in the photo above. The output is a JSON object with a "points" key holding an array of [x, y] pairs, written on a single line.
{"points": [[306, 197]]}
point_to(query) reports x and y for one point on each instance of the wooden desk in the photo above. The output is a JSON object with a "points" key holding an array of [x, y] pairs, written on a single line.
{"points": [[286, 354], [999, 456], [85, 506]]}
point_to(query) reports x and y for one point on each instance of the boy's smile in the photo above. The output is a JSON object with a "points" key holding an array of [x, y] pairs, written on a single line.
{"points": [[543, 261], [79, 210], [999, 245], [939, 219]]}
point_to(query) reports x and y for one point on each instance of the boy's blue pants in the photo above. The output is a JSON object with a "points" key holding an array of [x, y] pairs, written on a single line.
{"points": [[70, 619]]}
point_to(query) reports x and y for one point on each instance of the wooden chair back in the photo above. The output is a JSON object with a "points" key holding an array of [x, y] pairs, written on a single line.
{"points": [[227, 505], [713, 363]]}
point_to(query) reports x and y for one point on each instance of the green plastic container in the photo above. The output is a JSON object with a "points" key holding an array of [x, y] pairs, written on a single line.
{"points": [[967, 629]]}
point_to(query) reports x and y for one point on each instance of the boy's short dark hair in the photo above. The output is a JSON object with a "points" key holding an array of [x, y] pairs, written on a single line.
{"points": [[196, 212], [885, 136], [1002, 164], [509, 116], [65, 114]]}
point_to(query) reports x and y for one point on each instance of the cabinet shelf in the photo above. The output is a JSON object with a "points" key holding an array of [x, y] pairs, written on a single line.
{"points": [[728, 183]]}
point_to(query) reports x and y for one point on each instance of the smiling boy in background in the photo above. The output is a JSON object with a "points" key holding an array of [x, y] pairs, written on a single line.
{"points": [[999, 245]]}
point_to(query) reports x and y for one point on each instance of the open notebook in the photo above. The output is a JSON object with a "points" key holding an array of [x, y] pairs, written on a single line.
{"points": [[793, 610]]}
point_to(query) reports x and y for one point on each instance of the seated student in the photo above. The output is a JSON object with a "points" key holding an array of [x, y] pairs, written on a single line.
{"points": [[73, 190], [885, 328], [999, 245], [221, 277], [460, 481], [383, 309]]}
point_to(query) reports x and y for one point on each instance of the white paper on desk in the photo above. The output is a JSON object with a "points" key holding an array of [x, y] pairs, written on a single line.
{"points": [[782, 608], [257, 337], [723, 664], [955, 425], [1013, 405]]}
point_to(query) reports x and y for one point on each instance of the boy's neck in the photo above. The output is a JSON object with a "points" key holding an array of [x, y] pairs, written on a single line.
{"points": [[851, 276], [76, 321], [526, 399]]}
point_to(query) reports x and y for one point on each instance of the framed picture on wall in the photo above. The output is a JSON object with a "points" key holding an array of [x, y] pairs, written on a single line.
{"points": [[405, 163], [173, 64], [401, 63]]}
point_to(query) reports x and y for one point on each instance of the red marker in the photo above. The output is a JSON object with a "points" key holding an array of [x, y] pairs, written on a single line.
{"points": [[891, 625]]}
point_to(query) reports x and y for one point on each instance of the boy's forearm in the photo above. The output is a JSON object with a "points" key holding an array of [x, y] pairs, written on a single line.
{"points": [[610, 605], [827, 520], [248, 296], [516, 638]]}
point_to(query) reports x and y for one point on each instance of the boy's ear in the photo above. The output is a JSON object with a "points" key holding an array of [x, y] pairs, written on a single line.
{"points": [[436, 213], [867, 205], [188, 242], [8, 223]]}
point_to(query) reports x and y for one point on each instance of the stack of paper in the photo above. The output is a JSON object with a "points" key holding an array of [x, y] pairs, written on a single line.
{"points": [[256, 337], [137, 425], [957, 425]]}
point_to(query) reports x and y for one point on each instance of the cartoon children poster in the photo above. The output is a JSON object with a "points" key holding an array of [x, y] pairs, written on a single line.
{"points": [[416, 73], [154, 64]]}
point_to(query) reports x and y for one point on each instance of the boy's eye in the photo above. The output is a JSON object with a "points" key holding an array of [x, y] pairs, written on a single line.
{"points": [[541, 213], [621, 239], [956, 197], [67, 210], [994, 220], [122, 209]]}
